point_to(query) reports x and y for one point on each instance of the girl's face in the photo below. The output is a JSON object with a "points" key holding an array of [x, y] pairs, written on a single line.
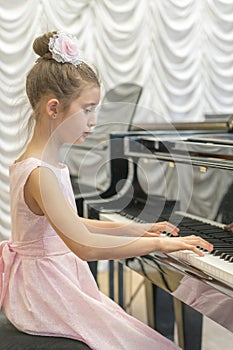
{"points": [[74, 125]]}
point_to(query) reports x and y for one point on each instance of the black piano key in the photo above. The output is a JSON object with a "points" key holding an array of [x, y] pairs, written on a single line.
{"points": [[203, 228], [214, 241], [228, 256], [223, 252], [223, 234], [228, 240], [210, 239], [223, 246], [220, 238], [225, 256], [185, 229], [216, 252]]}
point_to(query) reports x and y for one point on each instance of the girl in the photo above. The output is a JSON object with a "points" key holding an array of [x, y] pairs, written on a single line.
{"points": [[46, 285]]}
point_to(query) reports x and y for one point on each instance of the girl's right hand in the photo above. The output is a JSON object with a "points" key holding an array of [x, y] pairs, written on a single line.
{"points": [[174, 244]]}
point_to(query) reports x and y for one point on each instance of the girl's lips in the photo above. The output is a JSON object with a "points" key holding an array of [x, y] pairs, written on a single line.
{"points": [[85, 134]]}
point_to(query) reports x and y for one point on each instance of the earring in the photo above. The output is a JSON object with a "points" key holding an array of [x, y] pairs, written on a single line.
{"points": [[54, 116]]}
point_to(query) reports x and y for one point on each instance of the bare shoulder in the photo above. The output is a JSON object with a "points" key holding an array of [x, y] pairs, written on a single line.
{"points": [[41, 183]]}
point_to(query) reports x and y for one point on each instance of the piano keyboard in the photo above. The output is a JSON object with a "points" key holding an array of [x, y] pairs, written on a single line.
{"points": [[217, 264]]}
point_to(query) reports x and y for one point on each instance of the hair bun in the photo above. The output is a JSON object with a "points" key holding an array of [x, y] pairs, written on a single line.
{"points": [[41, 44]]}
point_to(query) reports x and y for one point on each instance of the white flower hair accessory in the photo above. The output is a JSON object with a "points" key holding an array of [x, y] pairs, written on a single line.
{"points": [[64, 48]]}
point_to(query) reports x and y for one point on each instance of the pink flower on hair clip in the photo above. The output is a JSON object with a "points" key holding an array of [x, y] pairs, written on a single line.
{"points": [[64, 48]]}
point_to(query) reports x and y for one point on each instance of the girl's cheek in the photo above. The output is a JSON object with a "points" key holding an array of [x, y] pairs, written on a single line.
{"points": [[71, 129], [76, 130]]}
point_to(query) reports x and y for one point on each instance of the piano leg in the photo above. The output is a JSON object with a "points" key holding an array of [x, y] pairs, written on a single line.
{"points": [[111, 279], [120, 284], [163, 311], [189, 326], [160, 311], [120, 281], [93, 267]]}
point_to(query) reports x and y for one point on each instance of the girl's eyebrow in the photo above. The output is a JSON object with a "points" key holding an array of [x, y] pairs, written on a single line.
{"points": [[90, 104]]}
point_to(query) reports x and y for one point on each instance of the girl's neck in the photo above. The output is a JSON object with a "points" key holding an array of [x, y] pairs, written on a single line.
{"points": [[43, 148]]}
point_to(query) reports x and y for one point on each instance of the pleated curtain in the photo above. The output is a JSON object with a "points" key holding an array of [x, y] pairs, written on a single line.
{"points": [[180, 51]]}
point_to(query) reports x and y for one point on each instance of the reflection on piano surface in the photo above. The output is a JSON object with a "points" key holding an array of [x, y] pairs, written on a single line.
{"points": [[187, 181]]}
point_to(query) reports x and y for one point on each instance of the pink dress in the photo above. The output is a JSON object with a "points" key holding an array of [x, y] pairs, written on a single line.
{"points": [[45, 289]]}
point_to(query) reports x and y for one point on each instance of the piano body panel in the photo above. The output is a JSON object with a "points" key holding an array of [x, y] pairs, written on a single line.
{"points": [[119, 164], [171, 189], [191, 287]]}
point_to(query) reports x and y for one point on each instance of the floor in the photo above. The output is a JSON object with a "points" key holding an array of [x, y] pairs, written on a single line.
{"points": [[215, 337]]}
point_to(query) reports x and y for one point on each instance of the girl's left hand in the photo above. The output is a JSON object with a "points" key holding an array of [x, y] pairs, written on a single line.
{"points": [[154, 230], [229, 227]]}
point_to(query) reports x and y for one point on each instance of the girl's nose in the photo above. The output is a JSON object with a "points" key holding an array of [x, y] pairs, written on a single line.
{"points": [[92, 121]]}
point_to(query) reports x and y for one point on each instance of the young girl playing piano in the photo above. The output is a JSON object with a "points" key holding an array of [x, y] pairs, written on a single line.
{"points": [[46, 285]]}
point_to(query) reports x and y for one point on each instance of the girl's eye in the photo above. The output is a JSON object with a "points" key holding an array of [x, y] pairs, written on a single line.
{"points": [[89, 110]]}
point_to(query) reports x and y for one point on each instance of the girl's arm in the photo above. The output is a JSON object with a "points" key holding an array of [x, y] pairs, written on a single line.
{"points": [[131, 229], [43, 188]]}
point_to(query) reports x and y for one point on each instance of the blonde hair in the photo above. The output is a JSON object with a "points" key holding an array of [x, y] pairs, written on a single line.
{"points": [[65, 81]]}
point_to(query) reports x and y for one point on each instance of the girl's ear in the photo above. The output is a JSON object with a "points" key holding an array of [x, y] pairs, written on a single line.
{"points": [[52, 108]]}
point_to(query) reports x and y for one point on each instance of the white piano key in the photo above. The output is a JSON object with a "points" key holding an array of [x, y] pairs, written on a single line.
{"points": [[113, 217], [212, 265]]}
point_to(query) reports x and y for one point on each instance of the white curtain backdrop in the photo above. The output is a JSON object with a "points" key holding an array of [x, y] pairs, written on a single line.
{"points": [[181, 52]]}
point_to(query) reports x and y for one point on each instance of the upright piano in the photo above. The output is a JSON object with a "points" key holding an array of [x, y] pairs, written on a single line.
{"points": [[188, 181]]}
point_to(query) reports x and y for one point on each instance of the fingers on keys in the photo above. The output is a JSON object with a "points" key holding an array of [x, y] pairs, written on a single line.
{"points": [[196, 242], [168, 228]]}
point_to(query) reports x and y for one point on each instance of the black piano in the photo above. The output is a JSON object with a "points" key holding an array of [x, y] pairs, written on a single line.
{"points": [[118, 161], [187, 180]]}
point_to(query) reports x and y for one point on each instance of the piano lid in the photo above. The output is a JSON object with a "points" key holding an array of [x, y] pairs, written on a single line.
{"points": [[214, 122], [214, 150], [223, 139]]}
